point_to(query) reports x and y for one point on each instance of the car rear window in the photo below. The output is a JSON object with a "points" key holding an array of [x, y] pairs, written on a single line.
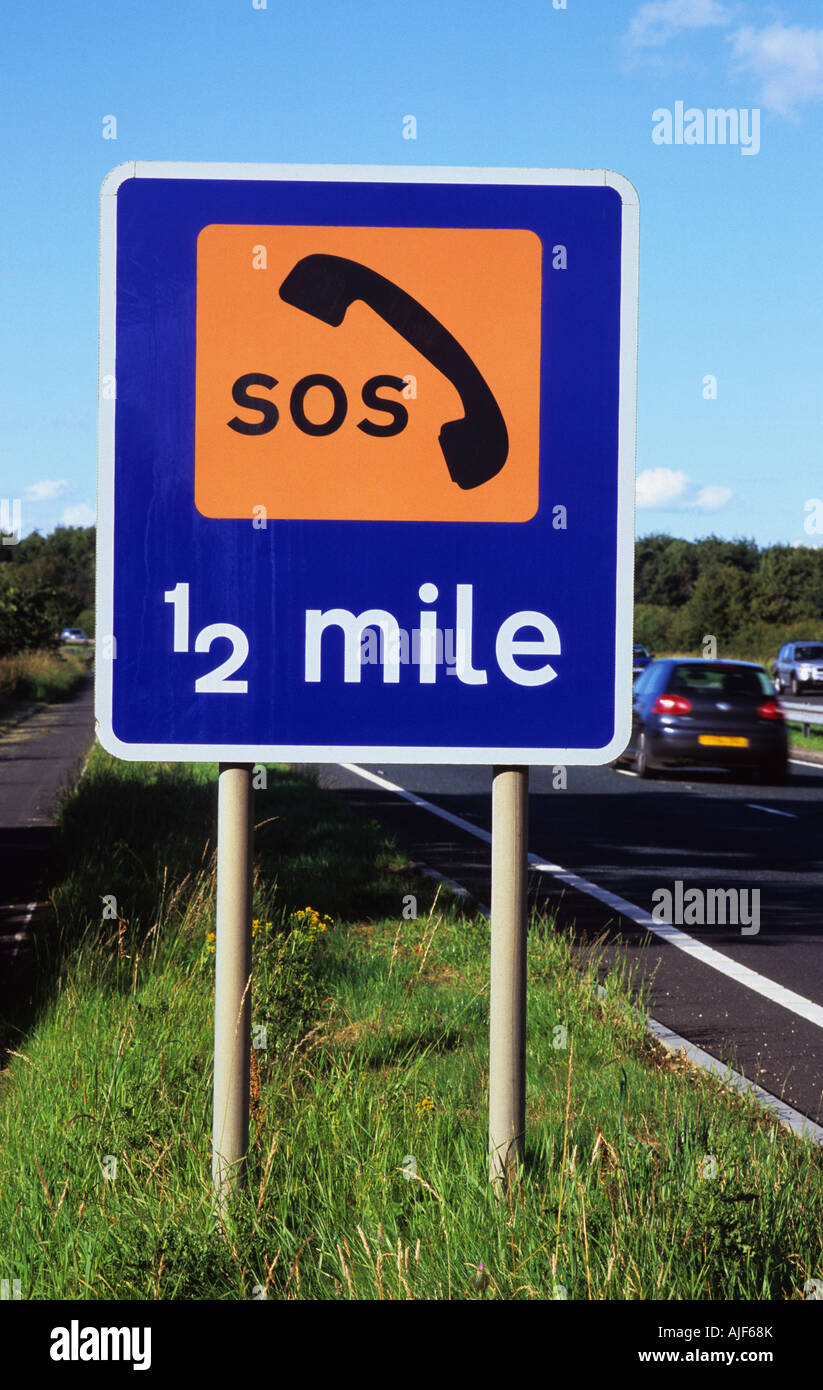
{"points": [[719, 680]]}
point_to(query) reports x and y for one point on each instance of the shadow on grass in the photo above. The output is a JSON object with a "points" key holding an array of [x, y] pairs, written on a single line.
{"points": [[135, 845], [382, 1050]]}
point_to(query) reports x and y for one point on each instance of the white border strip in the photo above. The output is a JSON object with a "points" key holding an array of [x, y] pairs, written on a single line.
{"points": [[364, 173]]}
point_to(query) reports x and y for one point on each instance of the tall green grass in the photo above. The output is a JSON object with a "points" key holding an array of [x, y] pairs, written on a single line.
{"points": [[367, 1173], [40, 676]]}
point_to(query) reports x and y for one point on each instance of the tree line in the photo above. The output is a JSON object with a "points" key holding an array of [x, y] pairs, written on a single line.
{"points": [[46, 584], [751, 599]]}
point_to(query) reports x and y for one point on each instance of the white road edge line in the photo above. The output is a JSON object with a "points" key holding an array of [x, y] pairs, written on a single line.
{"points": [[772, 810], [796, 762], [792, 1119], [21, 935], [673, 1042], [707, 955], [453, 886]]}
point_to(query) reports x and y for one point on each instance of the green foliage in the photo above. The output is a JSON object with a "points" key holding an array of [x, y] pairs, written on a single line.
{"points": [[652, 625], [751, 600], [26, 614], [387, 1059], [45, 583], [719, 604], [285, 992], [790, 584], [85, 621], [40, 675], [665, 570]]}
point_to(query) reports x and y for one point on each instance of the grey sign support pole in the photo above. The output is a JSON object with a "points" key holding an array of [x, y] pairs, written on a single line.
{"points": [[507, 1036], [232, 988]]}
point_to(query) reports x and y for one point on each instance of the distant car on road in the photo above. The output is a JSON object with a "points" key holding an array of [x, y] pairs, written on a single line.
{"points": [[73, 634], [690, 713], [799, 667], [641, 656]]}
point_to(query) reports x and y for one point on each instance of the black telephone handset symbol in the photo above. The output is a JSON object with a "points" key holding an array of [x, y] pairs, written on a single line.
{"points": [[476, 447]]}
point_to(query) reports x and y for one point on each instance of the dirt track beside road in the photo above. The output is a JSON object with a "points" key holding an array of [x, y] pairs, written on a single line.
{"points": [[40, 754]]}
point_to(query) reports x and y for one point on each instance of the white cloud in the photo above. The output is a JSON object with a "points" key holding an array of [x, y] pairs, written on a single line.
{"points": [[657, 21], [667, 490], [46, 491], [81, 515], [660, 487], [788, 60], [711, 498]]}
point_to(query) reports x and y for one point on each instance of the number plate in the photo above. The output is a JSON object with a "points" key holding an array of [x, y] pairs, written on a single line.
{"points": [[721, 741]]}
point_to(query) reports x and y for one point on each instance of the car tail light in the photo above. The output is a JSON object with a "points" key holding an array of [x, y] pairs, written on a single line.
{"points": [[671, 704], [770, 709]]}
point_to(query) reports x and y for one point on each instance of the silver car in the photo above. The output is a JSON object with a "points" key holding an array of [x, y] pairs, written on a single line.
{"points": [[799, 667]]}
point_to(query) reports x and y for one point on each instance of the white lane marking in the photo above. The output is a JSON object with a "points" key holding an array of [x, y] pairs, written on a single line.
{"points": [[772, 810], [707, 955]]}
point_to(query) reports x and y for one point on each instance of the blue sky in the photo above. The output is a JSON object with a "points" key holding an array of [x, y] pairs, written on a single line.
{"points": [[731, 283]]}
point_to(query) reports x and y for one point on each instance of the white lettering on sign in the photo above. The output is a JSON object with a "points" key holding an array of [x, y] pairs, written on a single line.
{"points": [[508, 646], [353, 628], [214, 682]]}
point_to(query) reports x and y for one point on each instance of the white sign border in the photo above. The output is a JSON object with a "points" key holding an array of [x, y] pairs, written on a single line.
{"points": [[366, 173]]}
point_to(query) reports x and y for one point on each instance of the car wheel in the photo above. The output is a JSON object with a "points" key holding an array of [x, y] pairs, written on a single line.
{"points": [[641, 759], [778, 685], [775, 772], [796, 687]]}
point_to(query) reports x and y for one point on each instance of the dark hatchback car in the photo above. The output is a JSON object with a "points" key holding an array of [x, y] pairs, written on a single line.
{"points": [[641, 657], [693, 713]]}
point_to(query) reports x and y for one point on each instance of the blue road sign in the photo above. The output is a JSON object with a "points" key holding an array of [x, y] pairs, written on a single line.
{"points": [[366, 477]]}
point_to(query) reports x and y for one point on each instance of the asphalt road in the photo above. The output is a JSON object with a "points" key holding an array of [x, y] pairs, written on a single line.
{"points": [[39, 755], [633, 837]]}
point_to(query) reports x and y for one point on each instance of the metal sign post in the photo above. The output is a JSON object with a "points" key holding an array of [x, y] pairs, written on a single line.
{"points": [[232, 985], [507, 1031]]}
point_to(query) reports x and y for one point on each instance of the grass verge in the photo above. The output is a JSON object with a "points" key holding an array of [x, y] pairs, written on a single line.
{"points": [[41, 675], [797, 739], [367, 1170]]}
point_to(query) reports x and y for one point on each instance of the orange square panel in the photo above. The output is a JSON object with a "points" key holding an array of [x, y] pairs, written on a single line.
{"points": [[368, 373]]}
